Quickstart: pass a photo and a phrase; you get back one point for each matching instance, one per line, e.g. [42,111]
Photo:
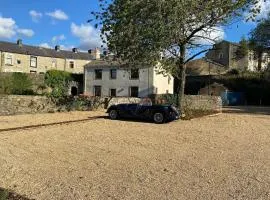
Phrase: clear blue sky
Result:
[51,22]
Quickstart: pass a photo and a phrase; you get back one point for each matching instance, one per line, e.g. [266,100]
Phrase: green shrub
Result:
[233,72]
[58,81]
[5,85]
[21,84]
[3,194]
[170,99]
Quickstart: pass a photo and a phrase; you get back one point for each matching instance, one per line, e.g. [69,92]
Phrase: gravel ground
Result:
[221,157]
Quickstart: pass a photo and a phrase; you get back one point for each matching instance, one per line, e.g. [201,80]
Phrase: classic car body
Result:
[142,111]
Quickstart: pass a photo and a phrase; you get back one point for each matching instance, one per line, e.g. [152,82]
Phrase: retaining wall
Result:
[199,102]
[16,104]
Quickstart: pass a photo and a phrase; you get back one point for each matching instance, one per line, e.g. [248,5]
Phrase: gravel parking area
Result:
[221,157]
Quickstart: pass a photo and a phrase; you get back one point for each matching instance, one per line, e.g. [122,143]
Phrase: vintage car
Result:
[144,111]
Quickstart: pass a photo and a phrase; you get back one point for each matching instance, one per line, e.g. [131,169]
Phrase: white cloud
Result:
[58,14]
[67,48]
[45,45]
[7,28]
[88,35]
[264,6]
[210,36]
[26,32]
[58,38]
[36,16]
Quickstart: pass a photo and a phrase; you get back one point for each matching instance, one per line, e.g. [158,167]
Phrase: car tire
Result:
[113,114]
[158,118]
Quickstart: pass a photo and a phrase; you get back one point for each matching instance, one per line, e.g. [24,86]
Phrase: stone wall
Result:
[198,102]
[16,104]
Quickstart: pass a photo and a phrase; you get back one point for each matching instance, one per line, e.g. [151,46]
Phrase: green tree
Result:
[243,49]
[260,39]
[58,81]
[166,32]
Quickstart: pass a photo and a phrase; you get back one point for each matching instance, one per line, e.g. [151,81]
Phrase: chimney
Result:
[95,53]
[57,48]
[19,42]
[75,50]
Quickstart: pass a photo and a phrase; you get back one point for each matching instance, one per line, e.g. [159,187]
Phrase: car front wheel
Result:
[158,118]
[113,114]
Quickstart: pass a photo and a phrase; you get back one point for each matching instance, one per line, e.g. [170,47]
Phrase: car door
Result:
[143,112]
[131,110]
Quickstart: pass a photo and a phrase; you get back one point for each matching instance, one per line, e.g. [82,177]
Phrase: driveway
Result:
[221,157]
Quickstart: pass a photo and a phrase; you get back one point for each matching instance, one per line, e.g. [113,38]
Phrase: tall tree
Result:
[165,33]
[242,50]
[260,39]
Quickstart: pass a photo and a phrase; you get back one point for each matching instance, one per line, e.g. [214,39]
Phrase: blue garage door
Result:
[232,98]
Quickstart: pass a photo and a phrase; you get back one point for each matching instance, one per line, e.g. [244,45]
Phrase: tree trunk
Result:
[182,67]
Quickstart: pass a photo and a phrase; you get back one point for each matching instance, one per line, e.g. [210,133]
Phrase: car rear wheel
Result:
[158,118]
[113,114]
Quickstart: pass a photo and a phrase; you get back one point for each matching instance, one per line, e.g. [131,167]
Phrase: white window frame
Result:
[95,90]
[110,91]
[111,74]
[9,56]
[136,78]
[69,62]
[35,60]
[134,87]
[54,63]
[221,55]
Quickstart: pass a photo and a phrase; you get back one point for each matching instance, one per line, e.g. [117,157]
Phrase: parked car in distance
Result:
[144,111]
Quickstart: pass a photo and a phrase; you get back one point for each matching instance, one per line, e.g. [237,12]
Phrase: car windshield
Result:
[145,102]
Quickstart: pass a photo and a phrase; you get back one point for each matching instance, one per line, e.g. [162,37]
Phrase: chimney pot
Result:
[57,48]
[19,42]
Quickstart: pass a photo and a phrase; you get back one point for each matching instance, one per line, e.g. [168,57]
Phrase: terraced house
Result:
[17,57]
[103,78]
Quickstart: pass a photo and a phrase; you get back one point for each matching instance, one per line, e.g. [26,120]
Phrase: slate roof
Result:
[40,51]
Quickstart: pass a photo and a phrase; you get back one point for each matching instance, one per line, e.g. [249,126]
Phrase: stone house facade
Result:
[105,79]
[17,57]
[224,53]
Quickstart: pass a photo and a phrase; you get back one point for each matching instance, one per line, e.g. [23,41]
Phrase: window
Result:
[33,61]
[134,74]
[41,72]
[98,74]
[113,92]
[18,62]
[167,91]
[53,63]
[8,60]
[134,91]
[97,91]
[220,56]
[113,73]
[169,80]
[32,72]
[71,64]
